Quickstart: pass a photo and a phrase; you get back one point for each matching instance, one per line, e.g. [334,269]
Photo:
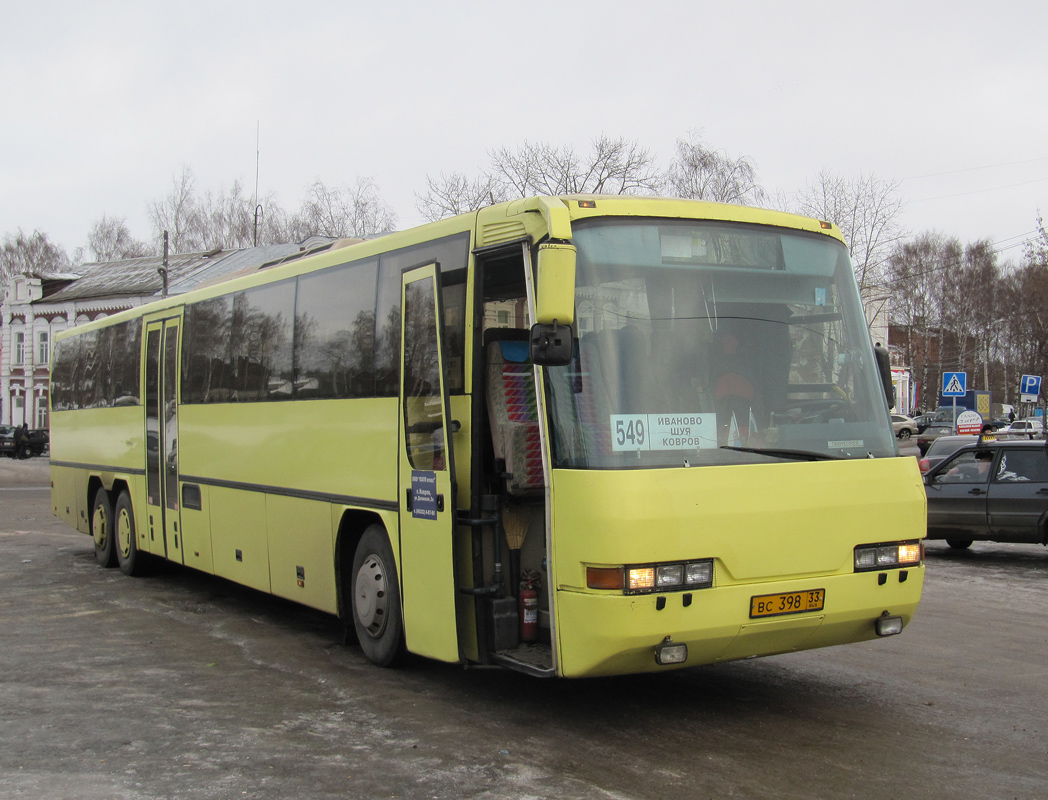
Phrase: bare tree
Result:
[343,211]
[957,309]
[110,239]
[699,172]
[614,166]
[453,194]
[980,275]
[178,214]
[1037,248]
[225,219]
[867,210]
[29,255]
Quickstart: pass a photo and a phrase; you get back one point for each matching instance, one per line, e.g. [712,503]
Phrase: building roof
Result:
[131,276]
[246,261]
[138,277]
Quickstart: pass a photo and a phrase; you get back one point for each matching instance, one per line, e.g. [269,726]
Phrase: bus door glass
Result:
[427,493]
[162,438]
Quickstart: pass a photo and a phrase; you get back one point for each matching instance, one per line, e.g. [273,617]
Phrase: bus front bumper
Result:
[608,633]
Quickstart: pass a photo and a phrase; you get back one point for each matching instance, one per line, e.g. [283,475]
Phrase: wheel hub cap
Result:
[370,596]
[99,526]
[124,534]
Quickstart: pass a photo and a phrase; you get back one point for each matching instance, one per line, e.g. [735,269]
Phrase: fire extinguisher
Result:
[528,602]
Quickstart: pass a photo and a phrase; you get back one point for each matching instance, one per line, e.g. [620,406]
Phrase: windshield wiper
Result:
[797,455]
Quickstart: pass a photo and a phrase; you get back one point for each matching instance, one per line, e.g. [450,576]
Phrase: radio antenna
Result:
[258,207]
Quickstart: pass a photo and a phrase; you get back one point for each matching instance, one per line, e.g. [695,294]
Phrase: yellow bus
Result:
[574,436]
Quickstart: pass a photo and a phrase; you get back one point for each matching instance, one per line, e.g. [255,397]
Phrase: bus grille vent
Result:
[502,232]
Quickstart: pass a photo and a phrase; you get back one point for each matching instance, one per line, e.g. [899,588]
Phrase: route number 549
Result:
[630,432]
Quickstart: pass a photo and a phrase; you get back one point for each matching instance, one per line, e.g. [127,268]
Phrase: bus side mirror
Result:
[884,367]
[551,343]
[555,284]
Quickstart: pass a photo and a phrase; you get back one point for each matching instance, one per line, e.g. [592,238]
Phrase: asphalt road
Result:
[179,685]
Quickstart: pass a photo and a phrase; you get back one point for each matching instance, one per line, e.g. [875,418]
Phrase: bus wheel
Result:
[376,599]
[102,529]
[959,544]
[127,556]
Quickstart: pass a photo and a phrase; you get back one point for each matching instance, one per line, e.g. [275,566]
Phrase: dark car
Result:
[942,448]
[933,432]
[940,415]
[18,444]
[37,442]
[992,491]
[923,421]
[7,440]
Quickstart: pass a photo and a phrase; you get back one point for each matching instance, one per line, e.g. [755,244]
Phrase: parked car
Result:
[31,443]
[7,440]
[904,426]
[939,415]
[933,432]
[923,421]
[943,447]
[38,442]
[993,490]
[1025,427]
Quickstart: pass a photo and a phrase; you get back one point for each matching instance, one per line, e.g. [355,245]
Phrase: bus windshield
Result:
[714,343]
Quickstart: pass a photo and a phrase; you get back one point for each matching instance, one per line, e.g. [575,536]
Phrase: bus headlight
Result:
[889,555]
[676,576]
[669,576]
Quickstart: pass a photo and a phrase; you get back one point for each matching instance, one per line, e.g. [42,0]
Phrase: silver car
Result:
[904,426]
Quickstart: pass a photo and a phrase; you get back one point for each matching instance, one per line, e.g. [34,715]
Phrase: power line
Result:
[973,169]
[978,191]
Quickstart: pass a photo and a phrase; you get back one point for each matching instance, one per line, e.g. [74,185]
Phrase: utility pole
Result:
[163,269]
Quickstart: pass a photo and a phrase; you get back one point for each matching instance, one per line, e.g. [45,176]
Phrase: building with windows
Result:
[35,307]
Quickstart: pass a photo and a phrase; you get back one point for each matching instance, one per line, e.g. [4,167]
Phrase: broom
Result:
[515,523]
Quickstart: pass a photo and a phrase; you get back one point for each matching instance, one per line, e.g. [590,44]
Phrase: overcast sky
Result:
[103,103]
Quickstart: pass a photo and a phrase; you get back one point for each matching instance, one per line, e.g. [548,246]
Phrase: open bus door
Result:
[426,474]
[161,415]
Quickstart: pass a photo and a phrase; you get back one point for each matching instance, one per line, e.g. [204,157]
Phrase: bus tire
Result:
[376,599]
[129,559]
[959,544]
[102,529]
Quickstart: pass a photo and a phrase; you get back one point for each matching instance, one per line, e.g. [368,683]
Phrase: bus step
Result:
[534,659]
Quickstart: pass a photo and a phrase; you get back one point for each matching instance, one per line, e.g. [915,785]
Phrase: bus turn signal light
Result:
[604,577]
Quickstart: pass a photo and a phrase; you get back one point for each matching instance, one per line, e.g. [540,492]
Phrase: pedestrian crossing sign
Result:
[954,384]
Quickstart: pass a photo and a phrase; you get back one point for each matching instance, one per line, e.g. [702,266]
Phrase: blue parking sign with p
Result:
[1030,384]
[954,384]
